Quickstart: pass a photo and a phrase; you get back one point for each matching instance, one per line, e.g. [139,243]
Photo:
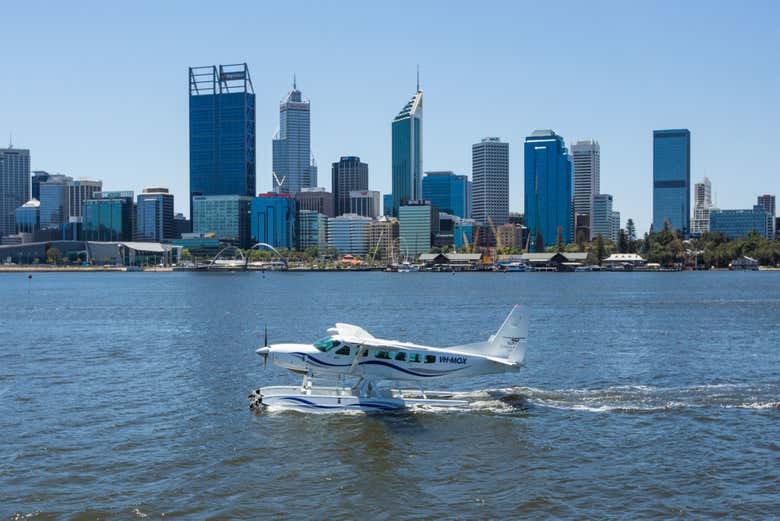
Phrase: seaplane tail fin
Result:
[511,339]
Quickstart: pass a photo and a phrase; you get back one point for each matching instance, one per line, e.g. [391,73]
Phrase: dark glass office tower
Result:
[672,179]
[222,131]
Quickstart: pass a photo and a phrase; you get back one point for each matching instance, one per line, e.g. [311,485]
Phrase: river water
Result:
[645,396]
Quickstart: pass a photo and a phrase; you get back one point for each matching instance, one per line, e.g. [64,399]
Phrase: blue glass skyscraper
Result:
[222,131]
[448,192]
[672,179]
[293,165]
[548,188]
[407,152]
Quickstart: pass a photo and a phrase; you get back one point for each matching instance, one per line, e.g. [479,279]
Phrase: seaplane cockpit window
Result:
[326,344]
[430,359]
[400,356]
[414,357]
[344,350]
[382,354]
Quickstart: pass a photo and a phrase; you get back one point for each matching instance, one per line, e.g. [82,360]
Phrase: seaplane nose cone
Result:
[263,351]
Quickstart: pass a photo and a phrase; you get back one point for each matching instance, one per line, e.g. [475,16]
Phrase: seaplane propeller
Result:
[263,351]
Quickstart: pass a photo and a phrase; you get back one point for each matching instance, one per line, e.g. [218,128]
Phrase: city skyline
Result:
[627,98]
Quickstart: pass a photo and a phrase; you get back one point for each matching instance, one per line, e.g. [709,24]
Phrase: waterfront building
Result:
[14,185]
[490,181]
[766,202]
[108,216]
[154,215]
[602,216]
[348,234]
[615,225]
[548,188]
[702,204]
[510,235]
[28,217]
[54,201]
[672,179]
[273,220]
[383,238]
[181,225]
[364,202]
[293,165]
[316,199]
[739,223]
[348,174]
[225,216]
[418,221]
[407,155]
[222,132]
[448,192]
[312,230]
[586,158]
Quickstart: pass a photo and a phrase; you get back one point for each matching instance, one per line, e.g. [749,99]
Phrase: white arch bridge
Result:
[219,262]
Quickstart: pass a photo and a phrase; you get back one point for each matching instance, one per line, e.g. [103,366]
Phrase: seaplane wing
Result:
[351,333]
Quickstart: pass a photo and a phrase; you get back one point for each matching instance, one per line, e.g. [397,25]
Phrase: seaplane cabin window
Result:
[344,350]
[400,356]
[430,359]
[414,357]
[382,354]
[326,344]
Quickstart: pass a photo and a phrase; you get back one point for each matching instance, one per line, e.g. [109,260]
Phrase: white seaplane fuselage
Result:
[350,351]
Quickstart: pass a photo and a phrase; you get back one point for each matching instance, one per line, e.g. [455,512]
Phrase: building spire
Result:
[418,77]
[10,139]
[295,82]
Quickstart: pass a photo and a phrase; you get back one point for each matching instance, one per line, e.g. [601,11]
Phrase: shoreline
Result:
[157,269]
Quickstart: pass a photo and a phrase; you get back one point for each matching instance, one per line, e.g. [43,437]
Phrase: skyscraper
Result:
[316,199]
[154,215]
[14,186]
[293,165]
[109,216]
[601,223]
[79,191]
[38,177]
[586,157]
[348,175]
[448,192]
[222,131]
[364,202]
[672,179]
[54,199]
[490,181]
[272,220]
[548,188]
[407,165]
[702,204]
[766,202]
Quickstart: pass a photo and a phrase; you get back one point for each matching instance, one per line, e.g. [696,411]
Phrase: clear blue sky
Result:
[98,90]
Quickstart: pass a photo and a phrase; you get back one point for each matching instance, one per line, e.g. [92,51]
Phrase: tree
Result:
[53,256]
[559,240]
[539,242]
[601,252]
[631,230]
[622,244]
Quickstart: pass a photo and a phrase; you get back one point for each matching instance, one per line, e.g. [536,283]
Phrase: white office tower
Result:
[586,156]
[702,204]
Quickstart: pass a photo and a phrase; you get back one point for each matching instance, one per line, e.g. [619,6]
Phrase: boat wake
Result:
[625,399]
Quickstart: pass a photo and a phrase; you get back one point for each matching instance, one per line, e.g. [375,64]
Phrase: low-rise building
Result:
[383,239]
[739,223]
[418,221]
[348,234]
[312,230]
[555,261]
[624,261]
[225,216]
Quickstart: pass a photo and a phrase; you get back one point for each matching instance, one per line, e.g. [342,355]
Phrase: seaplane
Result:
[350,353]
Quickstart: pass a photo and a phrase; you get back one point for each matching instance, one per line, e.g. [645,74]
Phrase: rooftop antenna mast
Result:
[295,82]
[418,77]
